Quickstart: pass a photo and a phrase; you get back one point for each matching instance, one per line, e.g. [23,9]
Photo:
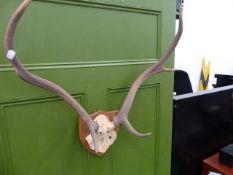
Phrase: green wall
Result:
[94,49]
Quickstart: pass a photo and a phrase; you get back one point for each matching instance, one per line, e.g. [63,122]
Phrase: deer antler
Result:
[122,118]
[38,81]
[109,123]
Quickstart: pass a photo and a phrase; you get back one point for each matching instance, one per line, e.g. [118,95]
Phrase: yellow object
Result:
[205,73]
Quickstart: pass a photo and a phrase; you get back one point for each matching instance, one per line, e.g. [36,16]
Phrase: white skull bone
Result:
[106,134]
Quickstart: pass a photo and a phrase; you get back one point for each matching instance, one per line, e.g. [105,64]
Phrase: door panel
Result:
[94,49]
[85,33]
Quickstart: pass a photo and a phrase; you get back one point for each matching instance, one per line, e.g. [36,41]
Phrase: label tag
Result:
[11,54]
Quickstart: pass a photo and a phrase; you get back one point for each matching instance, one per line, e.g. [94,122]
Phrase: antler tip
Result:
[145,135]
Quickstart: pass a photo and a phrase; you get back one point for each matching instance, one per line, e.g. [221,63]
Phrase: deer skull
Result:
[106,134]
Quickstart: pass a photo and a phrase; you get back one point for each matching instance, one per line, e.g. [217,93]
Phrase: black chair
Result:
[223,80]
[182,84]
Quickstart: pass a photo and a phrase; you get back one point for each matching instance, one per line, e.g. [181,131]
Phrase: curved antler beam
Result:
[122,118]
[38,81]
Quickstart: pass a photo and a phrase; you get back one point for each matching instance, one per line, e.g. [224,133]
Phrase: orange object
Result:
[212,164]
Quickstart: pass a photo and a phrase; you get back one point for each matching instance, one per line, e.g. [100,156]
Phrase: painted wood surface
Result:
[94,49]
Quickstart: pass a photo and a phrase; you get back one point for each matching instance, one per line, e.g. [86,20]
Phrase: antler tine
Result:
[122,118]
[38,81]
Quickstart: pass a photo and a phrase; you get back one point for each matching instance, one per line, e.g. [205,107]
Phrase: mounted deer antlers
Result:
[97,129]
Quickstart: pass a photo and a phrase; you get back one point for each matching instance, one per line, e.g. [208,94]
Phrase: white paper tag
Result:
[11,54]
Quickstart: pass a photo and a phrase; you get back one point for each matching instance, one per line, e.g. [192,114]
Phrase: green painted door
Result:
[94,49]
